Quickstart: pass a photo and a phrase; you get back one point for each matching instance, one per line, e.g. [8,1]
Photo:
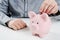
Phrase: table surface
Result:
[25,34]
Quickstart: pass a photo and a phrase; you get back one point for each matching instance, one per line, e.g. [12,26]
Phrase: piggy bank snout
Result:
[35,27]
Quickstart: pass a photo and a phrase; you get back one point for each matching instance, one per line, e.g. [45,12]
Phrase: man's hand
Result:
[49,6]
[16,24]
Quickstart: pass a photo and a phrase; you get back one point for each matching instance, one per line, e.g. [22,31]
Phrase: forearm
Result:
[3,18]
[3,12]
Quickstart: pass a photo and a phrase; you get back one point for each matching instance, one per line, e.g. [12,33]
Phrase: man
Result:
[19,9]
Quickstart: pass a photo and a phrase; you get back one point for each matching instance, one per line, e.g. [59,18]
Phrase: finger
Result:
[18,26]
[50,9]
[46,8]
[21,25]
[24,24]
[42,7]
[54,10]
[13,27]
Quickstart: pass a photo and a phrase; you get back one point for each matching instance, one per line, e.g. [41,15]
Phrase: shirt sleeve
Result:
[58,2]
[3,12]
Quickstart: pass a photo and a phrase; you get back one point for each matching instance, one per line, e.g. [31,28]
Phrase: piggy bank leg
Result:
[39,35]
[35,34]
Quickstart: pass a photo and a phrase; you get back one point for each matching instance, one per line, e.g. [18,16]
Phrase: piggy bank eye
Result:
[37,23]
[32,21]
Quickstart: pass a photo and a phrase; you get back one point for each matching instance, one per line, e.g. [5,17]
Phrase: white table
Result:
[25,34]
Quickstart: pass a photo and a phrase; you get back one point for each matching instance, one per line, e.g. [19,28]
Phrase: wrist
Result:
[7,23]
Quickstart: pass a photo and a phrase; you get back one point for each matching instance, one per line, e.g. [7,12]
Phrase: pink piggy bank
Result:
[39,24]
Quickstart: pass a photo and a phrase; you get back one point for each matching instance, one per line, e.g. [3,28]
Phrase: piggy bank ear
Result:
[44,16]
[31,14]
